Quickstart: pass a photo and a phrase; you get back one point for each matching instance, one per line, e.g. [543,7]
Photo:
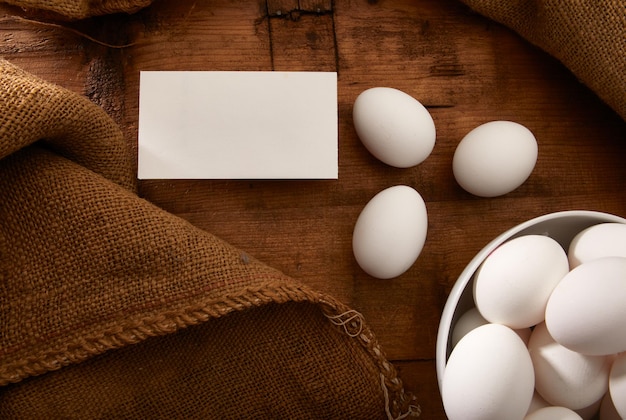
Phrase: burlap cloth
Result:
[589,37]
[112,308]
[81,9]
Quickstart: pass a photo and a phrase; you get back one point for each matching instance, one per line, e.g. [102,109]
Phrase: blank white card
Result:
[237,125]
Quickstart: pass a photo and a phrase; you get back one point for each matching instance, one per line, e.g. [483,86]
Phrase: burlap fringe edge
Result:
[404,405]
[398,403]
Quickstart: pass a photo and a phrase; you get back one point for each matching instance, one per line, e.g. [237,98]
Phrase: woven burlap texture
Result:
[113,308]
[81,9]
[589,37]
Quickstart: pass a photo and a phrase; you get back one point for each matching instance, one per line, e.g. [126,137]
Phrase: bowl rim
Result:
[449,310]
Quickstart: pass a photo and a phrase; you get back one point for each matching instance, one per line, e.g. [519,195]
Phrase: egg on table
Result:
[495,158]
[390,232]
[395,127]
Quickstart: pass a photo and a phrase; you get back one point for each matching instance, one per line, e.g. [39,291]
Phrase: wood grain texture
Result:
[316,6]
[282,7]
[465,69]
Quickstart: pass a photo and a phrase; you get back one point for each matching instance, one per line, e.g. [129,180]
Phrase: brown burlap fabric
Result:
[81,9]
[112,308]
[589,37]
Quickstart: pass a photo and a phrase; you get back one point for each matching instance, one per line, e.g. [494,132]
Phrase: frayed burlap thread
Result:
[588,37]
[113,308]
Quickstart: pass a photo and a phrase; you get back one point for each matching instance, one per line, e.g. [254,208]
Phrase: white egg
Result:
[466,323]
[390,232]
[495,158]
[607,409]
[564,377]
[536,403]
[472,319]
[617,384]
[587,309]
[602,240]
[489,376]
[553,413]
[586,413]
[513,284]
[395,127]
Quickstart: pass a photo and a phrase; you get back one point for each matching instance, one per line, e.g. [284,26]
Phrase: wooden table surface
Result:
[465,69]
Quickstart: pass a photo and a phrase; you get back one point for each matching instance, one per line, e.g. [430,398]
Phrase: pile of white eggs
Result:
[491,160]
[547,336]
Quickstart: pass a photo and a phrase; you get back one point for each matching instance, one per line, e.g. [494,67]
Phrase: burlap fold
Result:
[113,308]
[81,9]
[588,37]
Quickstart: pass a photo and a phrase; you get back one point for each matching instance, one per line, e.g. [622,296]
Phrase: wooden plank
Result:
[49,50]
[226,35]
[281,7]
[316,6]
[466,69]
[77,57]
[404,44]
[417,380]
[304,228]
[303,44]
[287,7]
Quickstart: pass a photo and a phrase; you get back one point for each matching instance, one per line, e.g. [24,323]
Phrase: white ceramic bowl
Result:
[561,226]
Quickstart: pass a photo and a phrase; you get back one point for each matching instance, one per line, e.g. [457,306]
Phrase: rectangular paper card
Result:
[238,125]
